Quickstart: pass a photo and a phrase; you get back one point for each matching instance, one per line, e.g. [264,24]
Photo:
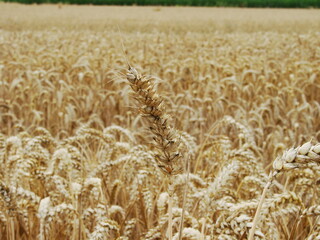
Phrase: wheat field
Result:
[135,123]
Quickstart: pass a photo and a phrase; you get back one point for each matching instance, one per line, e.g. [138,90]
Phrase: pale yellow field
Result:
[164,19]
[230,90]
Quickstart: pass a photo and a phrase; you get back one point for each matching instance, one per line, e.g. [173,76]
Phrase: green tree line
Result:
[226,3]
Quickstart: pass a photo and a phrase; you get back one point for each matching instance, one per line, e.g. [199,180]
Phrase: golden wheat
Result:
[221,101]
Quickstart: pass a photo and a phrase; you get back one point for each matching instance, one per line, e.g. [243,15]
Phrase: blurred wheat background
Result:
[241,86]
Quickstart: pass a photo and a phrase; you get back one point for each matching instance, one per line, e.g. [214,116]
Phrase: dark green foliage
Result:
[224,3]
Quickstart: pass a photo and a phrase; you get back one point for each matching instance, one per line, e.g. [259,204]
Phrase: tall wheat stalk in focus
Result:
[169,152]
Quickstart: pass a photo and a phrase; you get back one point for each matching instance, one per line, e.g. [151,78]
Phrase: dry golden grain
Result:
[227,94]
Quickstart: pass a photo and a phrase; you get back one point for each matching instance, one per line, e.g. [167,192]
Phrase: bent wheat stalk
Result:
[307,155]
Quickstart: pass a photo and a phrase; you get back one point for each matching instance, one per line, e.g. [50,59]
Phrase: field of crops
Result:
[133,123]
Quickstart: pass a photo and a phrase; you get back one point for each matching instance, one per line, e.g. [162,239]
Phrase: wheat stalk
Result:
[169,156]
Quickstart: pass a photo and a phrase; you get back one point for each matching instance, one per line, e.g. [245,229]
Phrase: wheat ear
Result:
[167,141]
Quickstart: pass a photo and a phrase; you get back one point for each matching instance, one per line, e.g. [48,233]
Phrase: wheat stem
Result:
[185,192]
[203,228]
[258,212]
[12,235]
[170,204]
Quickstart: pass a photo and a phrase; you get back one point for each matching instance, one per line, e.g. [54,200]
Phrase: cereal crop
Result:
[133,123]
